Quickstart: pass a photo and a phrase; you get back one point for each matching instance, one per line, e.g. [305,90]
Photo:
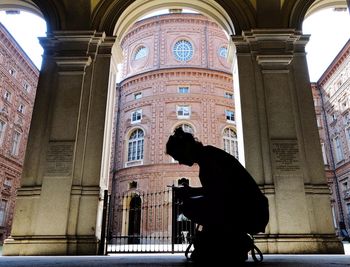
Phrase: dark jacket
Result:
[232,192]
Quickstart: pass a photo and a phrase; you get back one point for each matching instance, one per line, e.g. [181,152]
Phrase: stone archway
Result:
[302,9]
[60,201]
[231,15]
[321,4]
[139,9]
[276,55]
[22,5]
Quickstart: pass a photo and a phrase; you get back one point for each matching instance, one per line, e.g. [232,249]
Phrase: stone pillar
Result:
[61,189]
[281,142]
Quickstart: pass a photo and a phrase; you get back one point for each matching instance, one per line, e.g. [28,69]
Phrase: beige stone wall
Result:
[268,55]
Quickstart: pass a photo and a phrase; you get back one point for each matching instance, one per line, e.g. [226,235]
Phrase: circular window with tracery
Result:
[183,50]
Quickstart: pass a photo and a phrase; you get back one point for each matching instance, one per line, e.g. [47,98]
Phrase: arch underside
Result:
[116,17]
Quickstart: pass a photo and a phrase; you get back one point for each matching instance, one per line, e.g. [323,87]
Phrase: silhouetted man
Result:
[228,205]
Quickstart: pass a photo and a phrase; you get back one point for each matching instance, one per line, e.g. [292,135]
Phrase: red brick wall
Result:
[158,76]
[13,59]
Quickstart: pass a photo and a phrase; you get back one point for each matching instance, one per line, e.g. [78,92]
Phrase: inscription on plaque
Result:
[59,159]
[285,156]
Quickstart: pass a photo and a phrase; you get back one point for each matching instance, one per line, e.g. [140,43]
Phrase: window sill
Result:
[183,117]
[133,163]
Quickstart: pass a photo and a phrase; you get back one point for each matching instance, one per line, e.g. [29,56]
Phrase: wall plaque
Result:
[59,159]
[285,156]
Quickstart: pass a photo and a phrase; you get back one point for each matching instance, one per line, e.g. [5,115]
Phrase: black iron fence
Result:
[148,222]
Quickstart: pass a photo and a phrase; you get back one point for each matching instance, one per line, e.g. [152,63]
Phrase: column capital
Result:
[76,43]
[72,51]
[275,47]
[270,41]
[72,65]
[106,47]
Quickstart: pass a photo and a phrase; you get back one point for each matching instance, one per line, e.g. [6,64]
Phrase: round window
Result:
[140,52]
[223,52]
[183,50]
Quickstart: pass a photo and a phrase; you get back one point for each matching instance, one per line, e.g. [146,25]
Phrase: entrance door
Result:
[134,220]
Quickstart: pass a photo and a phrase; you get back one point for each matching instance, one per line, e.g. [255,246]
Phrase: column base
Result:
[24,246]
[299,244]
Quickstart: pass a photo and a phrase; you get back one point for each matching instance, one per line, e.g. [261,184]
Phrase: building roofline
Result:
[18,47]
[162,16]
[343,53]
[167,18]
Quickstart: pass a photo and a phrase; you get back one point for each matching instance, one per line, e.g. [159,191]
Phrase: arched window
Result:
[187,128]
[140,52]
[183,50]
[135,146]
[230,142]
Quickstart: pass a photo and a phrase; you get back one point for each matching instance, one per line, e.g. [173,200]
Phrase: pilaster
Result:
[59,200]
[281,144]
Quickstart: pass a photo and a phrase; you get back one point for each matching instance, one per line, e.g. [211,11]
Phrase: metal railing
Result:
[144,222]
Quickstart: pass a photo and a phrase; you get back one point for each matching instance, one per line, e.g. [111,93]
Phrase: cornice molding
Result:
[72,65]
[169,19]
[342,56]
[190,72]
[271,47]
[16,51]
[77,45]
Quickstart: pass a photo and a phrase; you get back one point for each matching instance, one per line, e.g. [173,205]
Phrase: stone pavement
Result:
[167,260]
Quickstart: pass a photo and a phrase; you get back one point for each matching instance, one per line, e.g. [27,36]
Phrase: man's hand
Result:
[186,191]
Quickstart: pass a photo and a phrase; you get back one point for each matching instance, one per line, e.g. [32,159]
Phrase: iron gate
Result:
[148,222]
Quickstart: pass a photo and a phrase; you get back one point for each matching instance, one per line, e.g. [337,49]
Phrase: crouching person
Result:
[228,206]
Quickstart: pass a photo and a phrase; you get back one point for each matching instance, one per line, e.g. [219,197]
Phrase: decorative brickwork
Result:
[157,76]
[331,96]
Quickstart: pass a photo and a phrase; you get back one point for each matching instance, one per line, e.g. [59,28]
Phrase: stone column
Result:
[281,142]
[61,188]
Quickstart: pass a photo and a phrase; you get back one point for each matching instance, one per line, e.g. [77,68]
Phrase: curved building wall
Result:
[160,34]
[161,91]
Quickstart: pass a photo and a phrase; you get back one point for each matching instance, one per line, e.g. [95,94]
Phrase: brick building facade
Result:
[332,104]
[18,83]
[175,73]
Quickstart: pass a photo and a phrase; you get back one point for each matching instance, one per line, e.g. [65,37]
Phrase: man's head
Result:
[183,147]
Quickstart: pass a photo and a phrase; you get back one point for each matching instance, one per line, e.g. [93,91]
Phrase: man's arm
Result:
[187,191]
